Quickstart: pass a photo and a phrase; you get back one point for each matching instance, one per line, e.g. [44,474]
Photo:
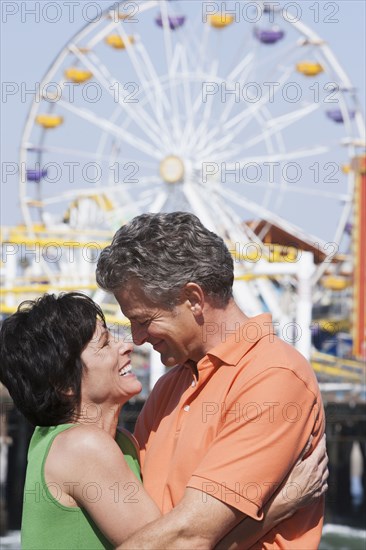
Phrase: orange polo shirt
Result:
[236,430]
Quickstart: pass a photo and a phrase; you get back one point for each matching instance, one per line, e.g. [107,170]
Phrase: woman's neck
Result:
[103,416]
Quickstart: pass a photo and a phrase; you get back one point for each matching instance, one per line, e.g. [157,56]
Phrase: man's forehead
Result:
[133,301]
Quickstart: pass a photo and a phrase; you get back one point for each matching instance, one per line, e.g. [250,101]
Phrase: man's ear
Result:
[194,296]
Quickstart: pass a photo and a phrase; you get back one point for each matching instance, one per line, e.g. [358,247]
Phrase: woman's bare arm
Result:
[89,466]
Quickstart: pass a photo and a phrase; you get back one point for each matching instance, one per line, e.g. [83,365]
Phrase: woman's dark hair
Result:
[40,348]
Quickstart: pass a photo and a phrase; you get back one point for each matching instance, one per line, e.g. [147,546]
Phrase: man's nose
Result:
[139,334]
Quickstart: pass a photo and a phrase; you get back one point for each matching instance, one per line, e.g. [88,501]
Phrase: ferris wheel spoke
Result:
[147,180]
[278,157]
[263,213]
[91,117]
[161,98]
[87,192]
[140,182]
[283,121]
[234,226]
[138,67]
[273,126]
[78,153]
[186,87]
[111,85]
[239,74]
[235,149]
[196,136]
[203,48]
[167,32]
[345,216]
[135,109]
[189,126]
[242,119]
[137,206]
[237,121]
[250,65]
[200,134]
[279,60]
[284,187]
[175,118]
[171,62]
[64,151]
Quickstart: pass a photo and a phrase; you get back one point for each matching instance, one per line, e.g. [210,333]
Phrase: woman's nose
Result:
[125,347]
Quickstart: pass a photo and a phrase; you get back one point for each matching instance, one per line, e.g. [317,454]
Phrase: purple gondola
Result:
[36,175]
[337,116]
[174,21]
[348,228]
[269,36]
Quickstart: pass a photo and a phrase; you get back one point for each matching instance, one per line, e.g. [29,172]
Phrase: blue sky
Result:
[33,33]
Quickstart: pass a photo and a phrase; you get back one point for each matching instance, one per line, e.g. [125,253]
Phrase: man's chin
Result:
[169,362]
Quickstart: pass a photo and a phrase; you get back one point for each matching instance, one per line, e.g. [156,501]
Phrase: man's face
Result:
[175,334]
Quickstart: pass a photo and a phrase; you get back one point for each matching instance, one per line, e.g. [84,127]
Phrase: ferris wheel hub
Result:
[172,169]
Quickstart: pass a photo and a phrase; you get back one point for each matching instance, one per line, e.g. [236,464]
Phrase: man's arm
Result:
[308,480]
[200,520]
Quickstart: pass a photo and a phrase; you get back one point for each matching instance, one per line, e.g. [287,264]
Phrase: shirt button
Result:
[186,408]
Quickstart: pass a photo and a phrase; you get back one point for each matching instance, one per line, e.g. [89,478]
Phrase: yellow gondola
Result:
[309,68]
[77,75]
[49,121]
[115,41]
[336,282]
[346,168]
[220,20]
[120,16]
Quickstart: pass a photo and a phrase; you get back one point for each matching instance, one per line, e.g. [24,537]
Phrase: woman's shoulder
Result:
[83,439]
[83,450]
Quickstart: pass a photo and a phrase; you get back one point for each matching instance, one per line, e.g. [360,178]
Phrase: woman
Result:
[70,377]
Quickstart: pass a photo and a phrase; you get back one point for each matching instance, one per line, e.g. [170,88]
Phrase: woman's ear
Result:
[69,392]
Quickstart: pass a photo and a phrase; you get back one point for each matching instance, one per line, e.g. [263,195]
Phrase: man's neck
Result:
[219,323]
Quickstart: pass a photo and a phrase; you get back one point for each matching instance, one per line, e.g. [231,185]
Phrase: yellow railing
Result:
[338,367]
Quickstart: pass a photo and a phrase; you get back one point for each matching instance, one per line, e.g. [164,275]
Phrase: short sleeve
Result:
[265,424]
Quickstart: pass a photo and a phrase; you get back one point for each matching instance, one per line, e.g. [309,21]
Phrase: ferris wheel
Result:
[242,117]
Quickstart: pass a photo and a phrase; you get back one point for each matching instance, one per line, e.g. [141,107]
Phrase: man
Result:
[222,429]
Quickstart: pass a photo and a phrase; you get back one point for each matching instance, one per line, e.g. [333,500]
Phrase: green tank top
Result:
[47,524]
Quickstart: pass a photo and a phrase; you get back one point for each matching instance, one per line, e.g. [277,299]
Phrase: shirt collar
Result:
[246,334]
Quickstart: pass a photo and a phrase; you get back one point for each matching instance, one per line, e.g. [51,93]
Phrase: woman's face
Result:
[107,374]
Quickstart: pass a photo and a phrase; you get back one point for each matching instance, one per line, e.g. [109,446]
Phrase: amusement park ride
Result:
[246,120]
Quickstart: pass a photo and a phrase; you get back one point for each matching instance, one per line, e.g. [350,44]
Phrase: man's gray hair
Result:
[164,252]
